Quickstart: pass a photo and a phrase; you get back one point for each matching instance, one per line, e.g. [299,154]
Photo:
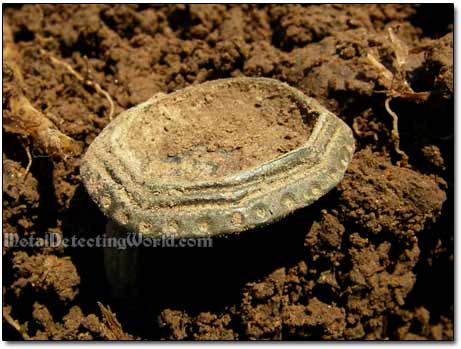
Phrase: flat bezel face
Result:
[124,174]
[211,132]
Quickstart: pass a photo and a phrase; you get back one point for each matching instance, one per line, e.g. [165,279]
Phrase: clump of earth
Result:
[372,259]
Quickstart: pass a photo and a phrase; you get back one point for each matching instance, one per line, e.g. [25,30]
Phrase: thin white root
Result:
[84,81]
[23,118]
[112,327]
[400,48]
[395,133]
[13,323]
[29,164]
[386,76]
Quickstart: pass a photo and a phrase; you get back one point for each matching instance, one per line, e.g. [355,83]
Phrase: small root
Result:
[29,164]
[386,78]
[21,117]
[400,48]
[113,328]
[395,133]
[355,127]
[84,81]
[13,323]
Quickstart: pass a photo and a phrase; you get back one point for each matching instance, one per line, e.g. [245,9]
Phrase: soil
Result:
[218,131]
[372,259]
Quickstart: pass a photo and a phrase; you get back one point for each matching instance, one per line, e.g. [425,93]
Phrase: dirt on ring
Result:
[218,131]
[372,259]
